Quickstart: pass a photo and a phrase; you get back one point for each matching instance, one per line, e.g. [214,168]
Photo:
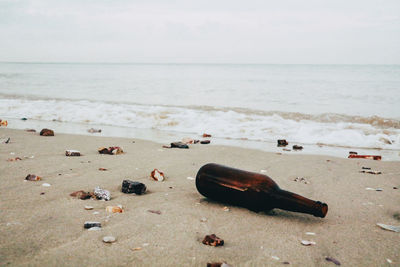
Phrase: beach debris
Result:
[72,153]
[133,187]
[155,211]
[14,159]
[389,227]
[5,140]
[96,212]
[310,233]
[282,142]
[136,248]
[81,194]
[157,175]
[297,147]
[301,179]
[94,228]
[88,225]
[371,172]
[374,157]
[102,193]
[93,130]
[102,169]
[352,153]
[33,177]
[365,168]
[213,240]
[88,207]
[46,185]
[373,189]
[218,264]
[191,178]
[225,208]
[203,219]
[307,243]
[286,149]
[263,171]
[179,145]
[395,187]
[42,193]
[112,150]
[114,209]
[3,123]
[285,262]
[389,260]
[46,132]
[206,135]
[205,142]
[335,261]
[275,258]
[30,130]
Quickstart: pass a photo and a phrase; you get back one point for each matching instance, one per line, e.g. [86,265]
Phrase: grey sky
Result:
[225,31]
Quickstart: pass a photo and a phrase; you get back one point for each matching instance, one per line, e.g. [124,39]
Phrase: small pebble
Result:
[307,243]
[109,239]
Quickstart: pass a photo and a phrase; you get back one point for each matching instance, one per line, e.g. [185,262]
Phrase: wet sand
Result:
[47,229]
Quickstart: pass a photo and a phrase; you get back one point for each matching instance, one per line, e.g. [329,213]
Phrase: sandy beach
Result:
[39,229]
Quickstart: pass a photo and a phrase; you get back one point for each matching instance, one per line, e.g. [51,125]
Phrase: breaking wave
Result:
[231,123]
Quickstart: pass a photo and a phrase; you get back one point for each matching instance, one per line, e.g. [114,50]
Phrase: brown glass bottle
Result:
[251,190]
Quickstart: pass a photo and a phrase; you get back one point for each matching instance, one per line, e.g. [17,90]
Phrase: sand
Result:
[47,229]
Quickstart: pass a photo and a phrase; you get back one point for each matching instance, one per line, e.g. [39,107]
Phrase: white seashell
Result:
[88,207]
[109,239]
[389,260]
[263,171]
[46,185]
[389,227]
[307,243]
[310,233]
[275,258]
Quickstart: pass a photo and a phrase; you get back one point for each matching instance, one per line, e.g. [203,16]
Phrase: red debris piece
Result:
[374,157]
[205,135]
[213,240]
[46,132]
[102,169]
[14,159]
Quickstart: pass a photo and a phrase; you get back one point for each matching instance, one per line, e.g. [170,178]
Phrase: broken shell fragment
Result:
[109,239]
[389,227]
[88,225]
[114,209]
[81,194]
[102,193]
[46,185]
[3,123]
[157,175]
[130,187]
[307,243]
[205,135]
[112,150]
[88,207]
[46,132]
[32,177]
[72,153]
[213,240]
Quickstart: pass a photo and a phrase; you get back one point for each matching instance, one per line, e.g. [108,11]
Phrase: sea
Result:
[327,109]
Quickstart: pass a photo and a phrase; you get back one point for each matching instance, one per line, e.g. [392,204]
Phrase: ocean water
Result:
[329,109]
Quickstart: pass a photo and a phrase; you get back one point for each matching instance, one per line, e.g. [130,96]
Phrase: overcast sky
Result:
[204,31]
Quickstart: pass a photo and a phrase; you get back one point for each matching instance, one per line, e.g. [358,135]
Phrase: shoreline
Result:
[47,229]
[166,137]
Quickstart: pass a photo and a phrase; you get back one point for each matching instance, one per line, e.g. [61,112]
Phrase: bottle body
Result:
[251,190]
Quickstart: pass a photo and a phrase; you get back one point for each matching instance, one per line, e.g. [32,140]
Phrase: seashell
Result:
[275,258]
[32,177]
[225,209]
[114,209]
[96,212]
[109,239]
[190,178]
[72,153]
[46,185]
[213,240]
[389,227]
[102,193]
[307,243]
[157,175]
[203,219]
[88,207]
[310,233]
[136,249]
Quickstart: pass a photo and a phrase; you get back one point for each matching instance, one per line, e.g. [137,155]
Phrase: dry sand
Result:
[47,229]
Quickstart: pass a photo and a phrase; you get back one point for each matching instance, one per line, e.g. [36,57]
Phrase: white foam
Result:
[220,122]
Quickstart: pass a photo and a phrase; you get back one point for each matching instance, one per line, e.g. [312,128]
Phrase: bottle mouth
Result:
[321,209]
